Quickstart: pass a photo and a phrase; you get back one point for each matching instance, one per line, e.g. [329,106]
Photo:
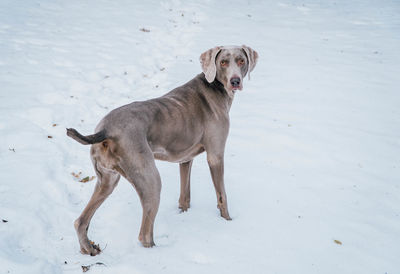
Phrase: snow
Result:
[312,155]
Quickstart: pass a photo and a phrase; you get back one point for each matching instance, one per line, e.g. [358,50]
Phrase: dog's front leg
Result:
[184,198]
[216,164]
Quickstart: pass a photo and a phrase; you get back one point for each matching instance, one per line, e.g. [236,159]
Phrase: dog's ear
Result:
[207,60]
[252,57]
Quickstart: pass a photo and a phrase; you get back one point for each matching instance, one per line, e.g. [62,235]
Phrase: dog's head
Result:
[229,65]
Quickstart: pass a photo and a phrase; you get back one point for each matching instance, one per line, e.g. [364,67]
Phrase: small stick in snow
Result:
[337,242]
[86,268]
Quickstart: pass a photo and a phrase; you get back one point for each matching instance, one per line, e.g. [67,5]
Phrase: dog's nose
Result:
[235,81]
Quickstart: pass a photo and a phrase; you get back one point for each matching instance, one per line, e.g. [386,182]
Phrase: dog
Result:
[176,127]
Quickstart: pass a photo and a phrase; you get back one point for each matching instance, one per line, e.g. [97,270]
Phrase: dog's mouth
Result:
[234,88]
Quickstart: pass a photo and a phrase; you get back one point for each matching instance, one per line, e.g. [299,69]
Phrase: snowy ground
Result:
[312,156]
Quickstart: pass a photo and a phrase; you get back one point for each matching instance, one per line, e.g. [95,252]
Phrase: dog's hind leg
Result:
[107,180]
[184,198]
[140,170]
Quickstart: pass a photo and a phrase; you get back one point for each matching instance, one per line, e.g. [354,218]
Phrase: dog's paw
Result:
[146,241]
[148,244]
[91,249]
[224,213]
[183,208]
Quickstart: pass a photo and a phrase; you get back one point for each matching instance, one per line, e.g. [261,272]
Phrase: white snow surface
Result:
[313,154]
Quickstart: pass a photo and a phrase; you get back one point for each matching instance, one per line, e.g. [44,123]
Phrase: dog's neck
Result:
[228,95]
[223,94]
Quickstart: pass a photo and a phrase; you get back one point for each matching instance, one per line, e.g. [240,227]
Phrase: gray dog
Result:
[175,127]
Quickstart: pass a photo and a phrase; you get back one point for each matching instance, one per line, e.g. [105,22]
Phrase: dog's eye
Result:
[224,63]
[241,62]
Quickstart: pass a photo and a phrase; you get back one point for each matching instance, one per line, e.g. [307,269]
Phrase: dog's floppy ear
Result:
[252,57]
[207,60]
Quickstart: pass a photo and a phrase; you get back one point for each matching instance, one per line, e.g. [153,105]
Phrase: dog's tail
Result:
[89,139]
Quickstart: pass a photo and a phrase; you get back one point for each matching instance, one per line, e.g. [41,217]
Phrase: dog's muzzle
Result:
[235,82]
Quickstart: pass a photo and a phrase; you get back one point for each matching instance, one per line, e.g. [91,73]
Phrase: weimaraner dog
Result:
[176,127]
